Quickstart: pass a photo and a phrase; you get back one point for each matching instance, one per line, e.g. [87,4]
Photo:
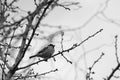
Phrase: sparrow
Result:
[46,52]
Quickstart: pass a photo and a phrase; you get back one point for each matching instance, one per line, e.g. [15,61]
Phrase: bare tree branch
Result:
[67,50]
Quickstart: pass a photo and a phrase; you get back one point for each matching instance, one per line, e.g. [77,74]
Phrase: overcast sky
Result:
[90,18]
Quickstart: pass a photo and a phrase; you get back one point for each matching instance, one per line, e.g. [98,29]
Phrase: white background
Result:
[85,21]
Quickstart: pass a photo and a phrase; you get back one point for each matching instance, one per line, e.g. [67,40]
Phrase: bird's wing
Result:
[43,50]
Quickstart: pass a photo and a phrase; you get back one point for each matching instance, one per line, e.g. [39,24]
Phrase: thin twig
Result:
[118,65]
[116,54]
[62,34]
[67,50]
[88,75]
[34,75]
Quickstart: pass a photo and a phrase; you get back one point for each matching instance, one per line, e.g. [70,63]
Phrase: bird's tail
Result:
[32,56]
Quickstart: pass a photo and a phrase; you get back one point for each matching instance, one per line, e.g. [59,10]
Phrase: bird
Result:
[45,53]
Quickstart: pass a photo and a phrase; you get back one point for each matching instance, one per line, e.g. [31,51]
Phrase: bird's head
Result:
[51,45]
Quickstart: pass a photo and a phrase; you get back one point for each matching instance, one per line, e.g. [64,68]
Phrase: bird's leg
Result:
[46,59]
